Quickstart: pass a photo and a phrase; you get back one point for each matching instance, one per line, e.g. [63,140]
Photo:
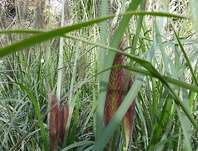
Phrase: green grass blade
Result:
[104,38]
[44,36]
[170,80]
[187,130]
[37,114]
[138,28]
[138,70]
[186,58]
[77,144]
[194,8]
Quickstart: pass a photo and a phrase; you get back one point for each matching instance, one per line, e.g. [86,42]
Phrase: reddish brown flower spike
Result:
[53,123]
[128,120]
[63,117]
[116,86]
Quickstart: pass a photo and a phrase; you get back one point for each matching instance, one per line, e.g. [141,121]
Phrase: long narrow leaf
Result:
[44,36]
[139,70]
[37,113]
[186,58]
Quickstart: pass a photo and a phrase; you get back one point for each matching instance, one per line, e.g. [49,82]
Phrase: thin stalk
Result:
[186,58]
[71,102]
[61,53]
[104,38]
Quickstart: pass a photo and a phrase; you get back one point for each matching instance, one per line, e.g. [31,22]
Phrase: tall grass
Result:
[159,55]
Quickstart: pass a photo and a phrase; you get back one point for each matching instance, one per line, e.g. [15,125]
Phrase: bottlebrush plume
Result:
[63,117]
[53,122]
[128,120]
[115,88]
[119,84]
[128,123]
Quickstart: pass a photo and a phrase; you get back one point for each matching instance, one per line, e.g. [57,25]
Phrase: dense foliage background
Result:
[90,57]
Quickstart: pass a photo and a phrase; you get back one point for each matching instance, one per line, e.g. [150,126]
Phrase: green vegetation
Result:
[115,75]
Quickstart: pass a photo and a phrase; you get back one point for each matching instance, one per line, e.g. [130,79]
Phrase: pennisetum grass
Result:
[63,118]
[137,94]
[53,122]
